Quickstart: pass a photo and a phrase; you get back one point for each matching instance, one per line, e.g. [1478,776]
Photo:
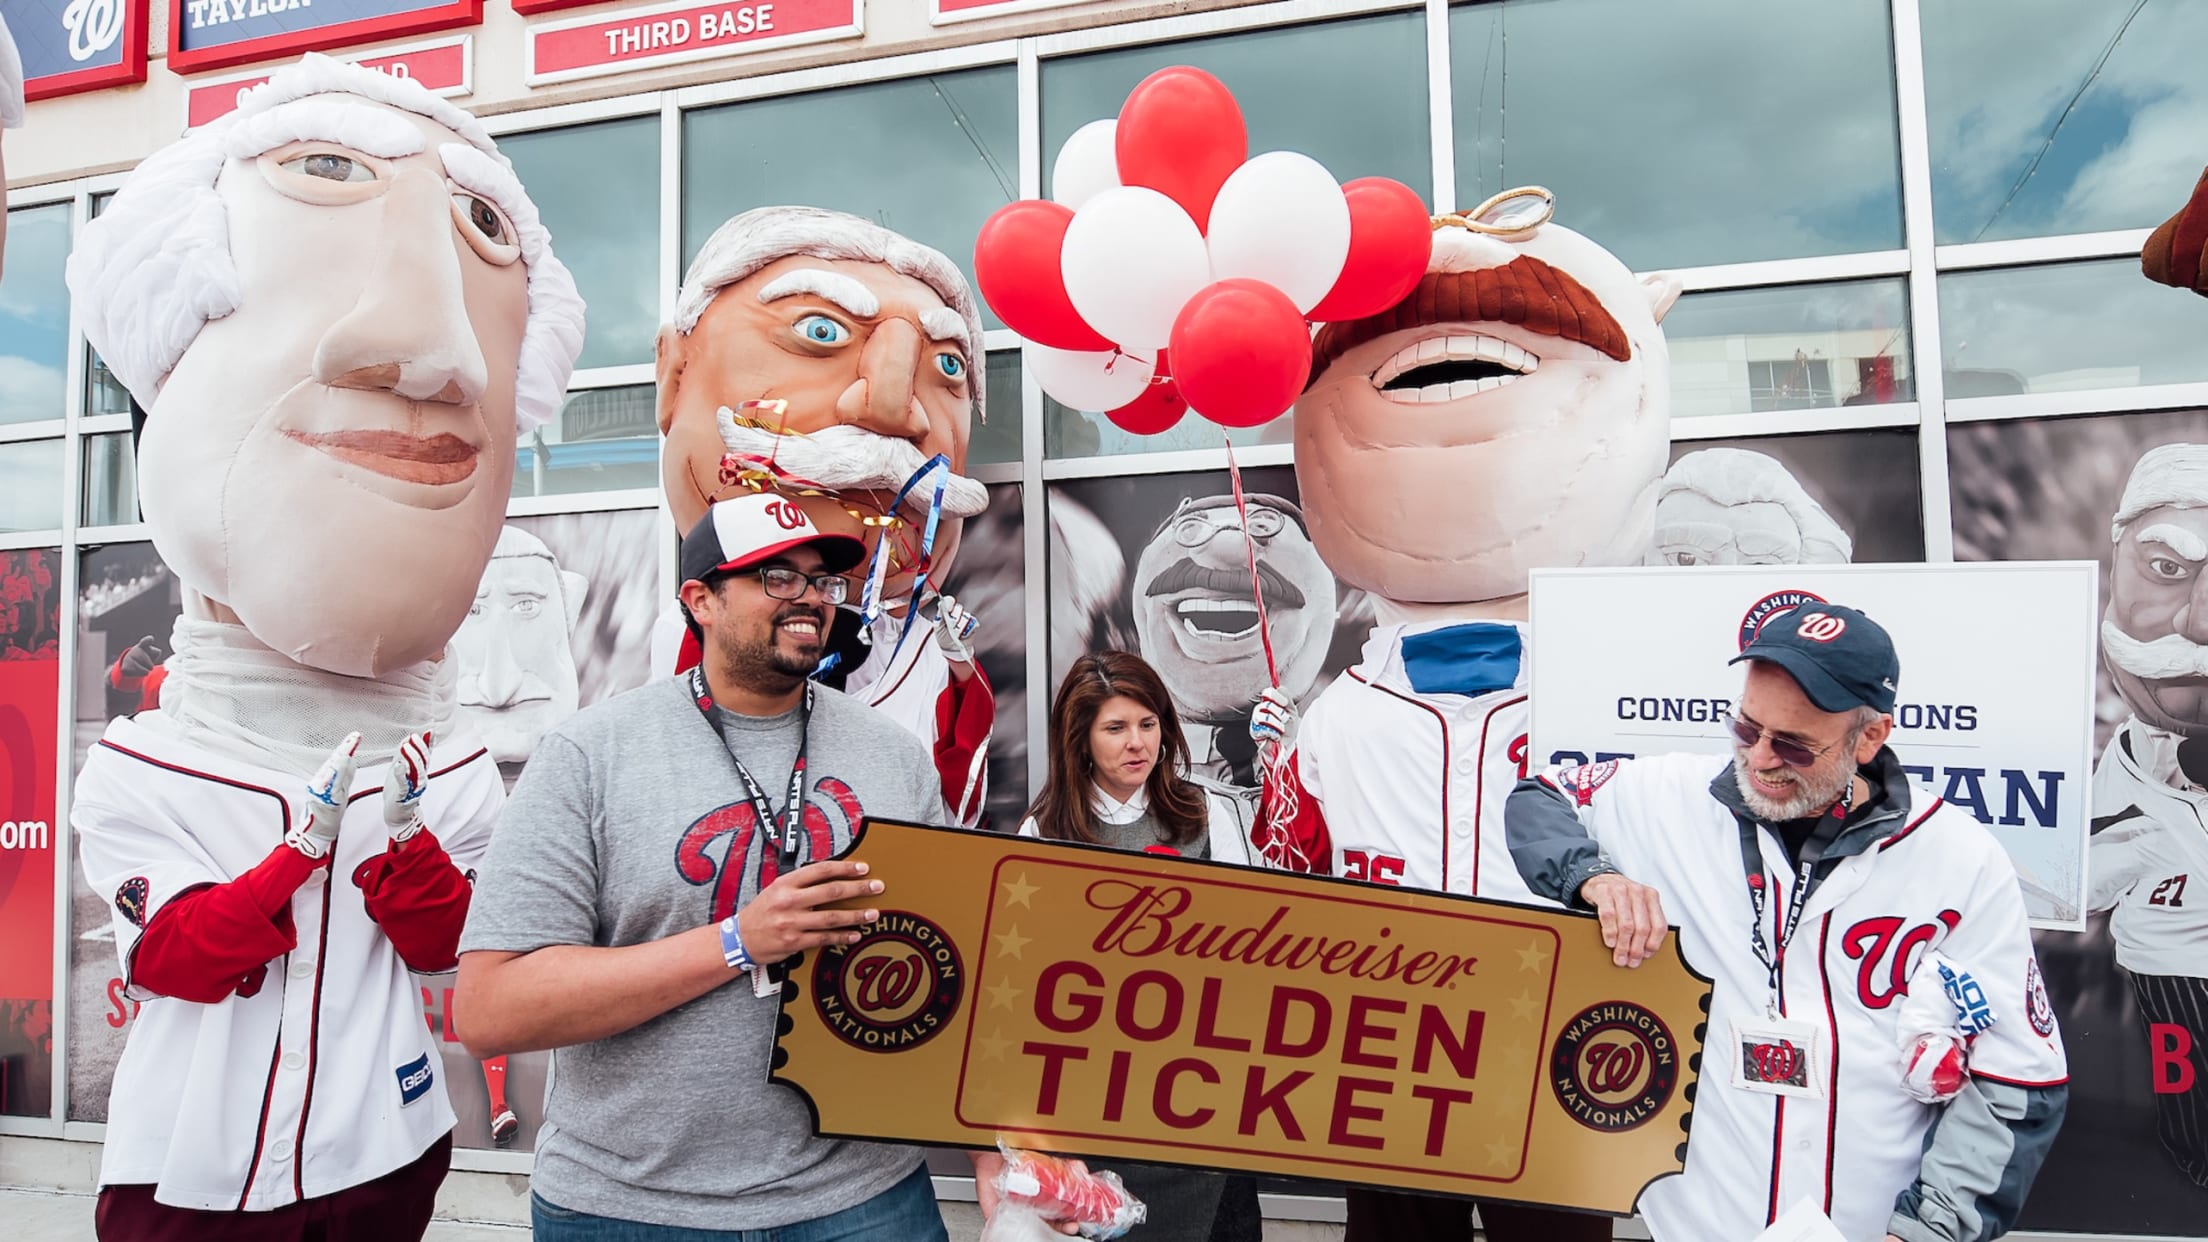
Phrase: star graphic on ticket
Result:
[1524,1008]
[1010,942]
[993,1046]
[1499,1153]
[1002,994]
[1532,957]
[1017,891]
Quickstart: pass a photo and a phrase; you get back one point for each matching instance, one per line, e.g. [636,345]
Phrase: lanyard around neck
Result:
[1831,822]
[791,839]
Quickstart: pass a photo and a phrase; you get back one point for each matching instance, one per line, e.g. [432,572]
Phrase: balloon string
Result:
[1249,546]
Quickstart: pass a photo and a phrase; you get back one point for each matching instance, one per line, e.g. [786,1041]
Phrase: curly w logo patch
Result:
[718,849]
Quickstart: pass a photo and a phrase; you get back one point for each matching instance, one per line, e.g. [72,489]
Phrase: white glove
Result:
[327,795]
[953,626]
[404,786]
[1275,718]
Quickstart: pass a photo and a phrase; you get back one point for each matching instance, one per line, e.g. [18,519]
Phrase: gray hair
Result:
[749,242]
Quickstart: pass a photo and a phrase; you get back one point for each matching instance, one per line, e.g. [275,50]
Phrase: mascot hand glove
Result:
[327,794]
[404,786]
[144,656]
[953,626]
[1274,719]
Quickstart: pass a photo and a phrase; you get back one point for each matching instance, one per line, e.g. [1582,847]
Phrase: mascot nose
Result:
[881,399]
[409,332]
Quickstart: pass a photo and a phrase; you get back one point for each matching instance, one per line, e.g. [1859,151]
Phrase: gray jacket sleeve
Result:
[1551,846]
[1979,1160]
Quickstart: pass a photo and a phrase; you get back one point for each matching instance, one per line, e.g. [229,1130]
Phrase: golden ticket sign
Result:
[1144,1007]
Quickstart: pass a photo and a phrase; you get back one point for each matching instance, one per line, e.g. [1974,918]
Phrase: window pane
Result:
[2061,116]
[103,393]
[110,481]
[930,157]
[1086,433]
[605,439]
[30,485]
[998,439]
[34,317]
[1801,347]
[1690,132]
[1350,94]
[597,187]
[2063,327]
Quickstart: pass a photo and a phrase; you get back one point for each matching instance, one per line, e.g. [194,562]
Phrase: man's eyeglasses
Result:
[1792,753]
[782,582]
[1195,529]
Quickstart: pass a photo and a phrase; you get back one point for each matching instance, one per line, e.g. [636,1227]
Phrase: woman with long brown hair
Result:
[1116,779]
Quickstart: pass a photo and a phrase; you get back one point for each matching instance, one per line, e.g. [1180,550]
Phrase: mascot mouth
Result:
[1210,603]
[1450,368]
[432,460]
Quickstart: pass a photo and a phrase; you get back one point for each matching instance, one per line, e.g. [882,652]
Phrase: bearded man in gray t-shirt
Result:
[650,856]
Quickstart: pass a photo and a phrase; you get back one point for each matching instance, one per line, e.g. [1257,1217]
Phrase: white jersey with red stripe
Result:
[1411,786]
[325,1076]
[1935,881]
[2148,859]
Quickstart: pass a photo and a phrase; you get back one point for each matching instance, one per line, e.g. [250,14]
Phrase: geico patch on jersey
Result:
[1582,780]
[415,1079]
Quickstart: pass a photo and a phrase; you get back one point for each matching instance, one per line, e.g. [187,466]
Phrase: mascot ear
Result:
[667,372]
[573,587]
[1663,290]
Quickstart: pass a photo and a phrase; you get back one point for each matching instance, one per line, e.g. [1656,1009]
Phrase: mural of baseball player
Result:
[2150,790]
[859,351]
[1728,506]
[1511,412]
[339,310]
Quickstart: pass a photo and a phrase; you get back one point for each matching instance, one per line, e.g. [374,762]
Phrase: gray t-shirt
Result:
[629,825]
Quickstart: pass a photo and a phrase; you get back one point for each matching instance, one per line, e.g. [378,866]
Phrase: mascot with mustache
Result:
[820,355]
[1511,412]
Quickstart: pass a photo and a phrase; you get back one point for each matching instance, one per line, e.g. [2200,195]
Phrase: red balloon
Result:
[1181,133]
[1158,409]
[1241,352]
[1391,238]
[1016,265]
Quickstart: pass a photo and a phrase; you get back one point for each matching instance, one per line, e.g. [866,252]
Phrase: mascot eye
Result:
[2169,569]
[527,607]
[821,330]
[951,365]
[1685,558]
[330,166]
[483,218]
[476,609]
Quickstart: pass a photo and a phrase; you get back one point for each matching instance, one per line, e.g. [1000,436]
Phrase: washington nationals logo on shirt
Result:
[1770,606]
[1614,1067]
[1582,781]
[701,859]
[1889,955]
[897,988]
[2037,1007]
[131,900]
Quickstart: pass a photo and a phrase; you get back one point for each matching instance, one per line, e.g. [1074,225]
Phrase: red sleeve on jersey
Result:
[964,714]
[212,941]
[690,653]
[149,697]
[1294,842]
[419,899]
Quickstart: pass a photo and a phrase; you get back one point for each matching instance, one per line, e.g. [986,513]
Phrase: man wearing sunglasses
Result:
[1809,877]
[661,850]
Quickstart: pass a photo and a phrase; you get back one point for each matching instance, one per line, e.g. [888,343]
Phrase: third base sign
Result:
[1123,1005]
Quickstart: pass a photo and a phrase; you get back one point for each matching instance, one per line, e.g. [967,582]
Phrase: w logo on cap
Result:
[786,514]
[1819,627]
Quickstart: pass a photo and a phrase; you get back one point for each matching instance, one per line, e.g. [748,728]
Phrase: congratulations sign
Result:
[1075,999]
[1995,712]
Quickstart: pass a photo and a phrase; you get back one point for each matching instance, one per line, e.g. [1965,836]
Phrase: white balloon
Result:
[1281,218]
[1086,380]
[1132,258]
[1087,165]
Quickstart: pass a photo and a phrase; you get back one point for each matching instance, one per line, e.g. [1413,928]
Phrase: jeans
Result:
[906,1212]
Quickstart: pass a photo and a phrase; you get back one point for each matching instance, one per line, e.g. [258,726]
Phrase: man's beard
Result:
[1814,789]
[763,663]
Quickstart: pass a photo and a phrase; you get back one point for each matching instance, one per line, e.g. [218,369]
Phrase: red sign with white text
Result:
[442,66]
[671,34]
[943,12]
[30,698]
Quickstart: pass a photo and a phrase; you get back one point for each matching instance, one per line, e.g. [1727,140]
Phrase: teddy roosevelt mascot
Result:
[822,356]
[338,309]
[1512,412]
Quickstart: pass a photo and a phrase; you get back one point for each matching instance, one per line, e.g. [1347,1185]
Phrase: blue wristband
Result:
[732,947]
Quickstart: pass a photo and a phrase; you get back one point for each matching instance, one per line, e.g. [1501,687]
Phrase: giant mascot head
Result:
[1512,412]
[517,660]
[1728,506]
[2154,634]
[338,308]
[866,346]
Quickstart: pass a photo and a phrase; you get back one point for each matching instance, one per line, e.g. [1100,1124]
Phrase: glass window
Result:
[30,485]
[597,187]
[1858,500]
[1349,94]
[1800,347]
[34,317]
[1691,132]
[998,439]
[2064,327]
[930,157]
[605,439]
[1086,433]
[2061,116]
[110,481]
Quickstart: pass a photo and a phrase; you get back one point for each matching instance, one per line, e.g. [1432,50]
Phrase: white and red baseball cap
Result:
[742,531]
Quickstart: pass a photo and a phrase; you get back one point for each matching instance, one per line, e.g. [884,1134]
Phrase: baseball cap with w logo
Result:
[1840,658]
[744,530]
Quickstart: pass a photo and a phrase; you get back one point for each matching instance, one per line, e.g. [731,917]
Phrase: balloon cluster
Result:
[1171,272]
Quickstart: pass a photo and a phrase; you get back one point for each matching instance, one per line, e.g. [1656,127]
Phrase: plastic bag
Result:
[1036,1188]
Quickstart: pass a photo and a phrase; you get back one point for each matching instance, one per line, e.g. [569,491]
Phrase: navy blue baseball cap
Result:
[1840,658]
